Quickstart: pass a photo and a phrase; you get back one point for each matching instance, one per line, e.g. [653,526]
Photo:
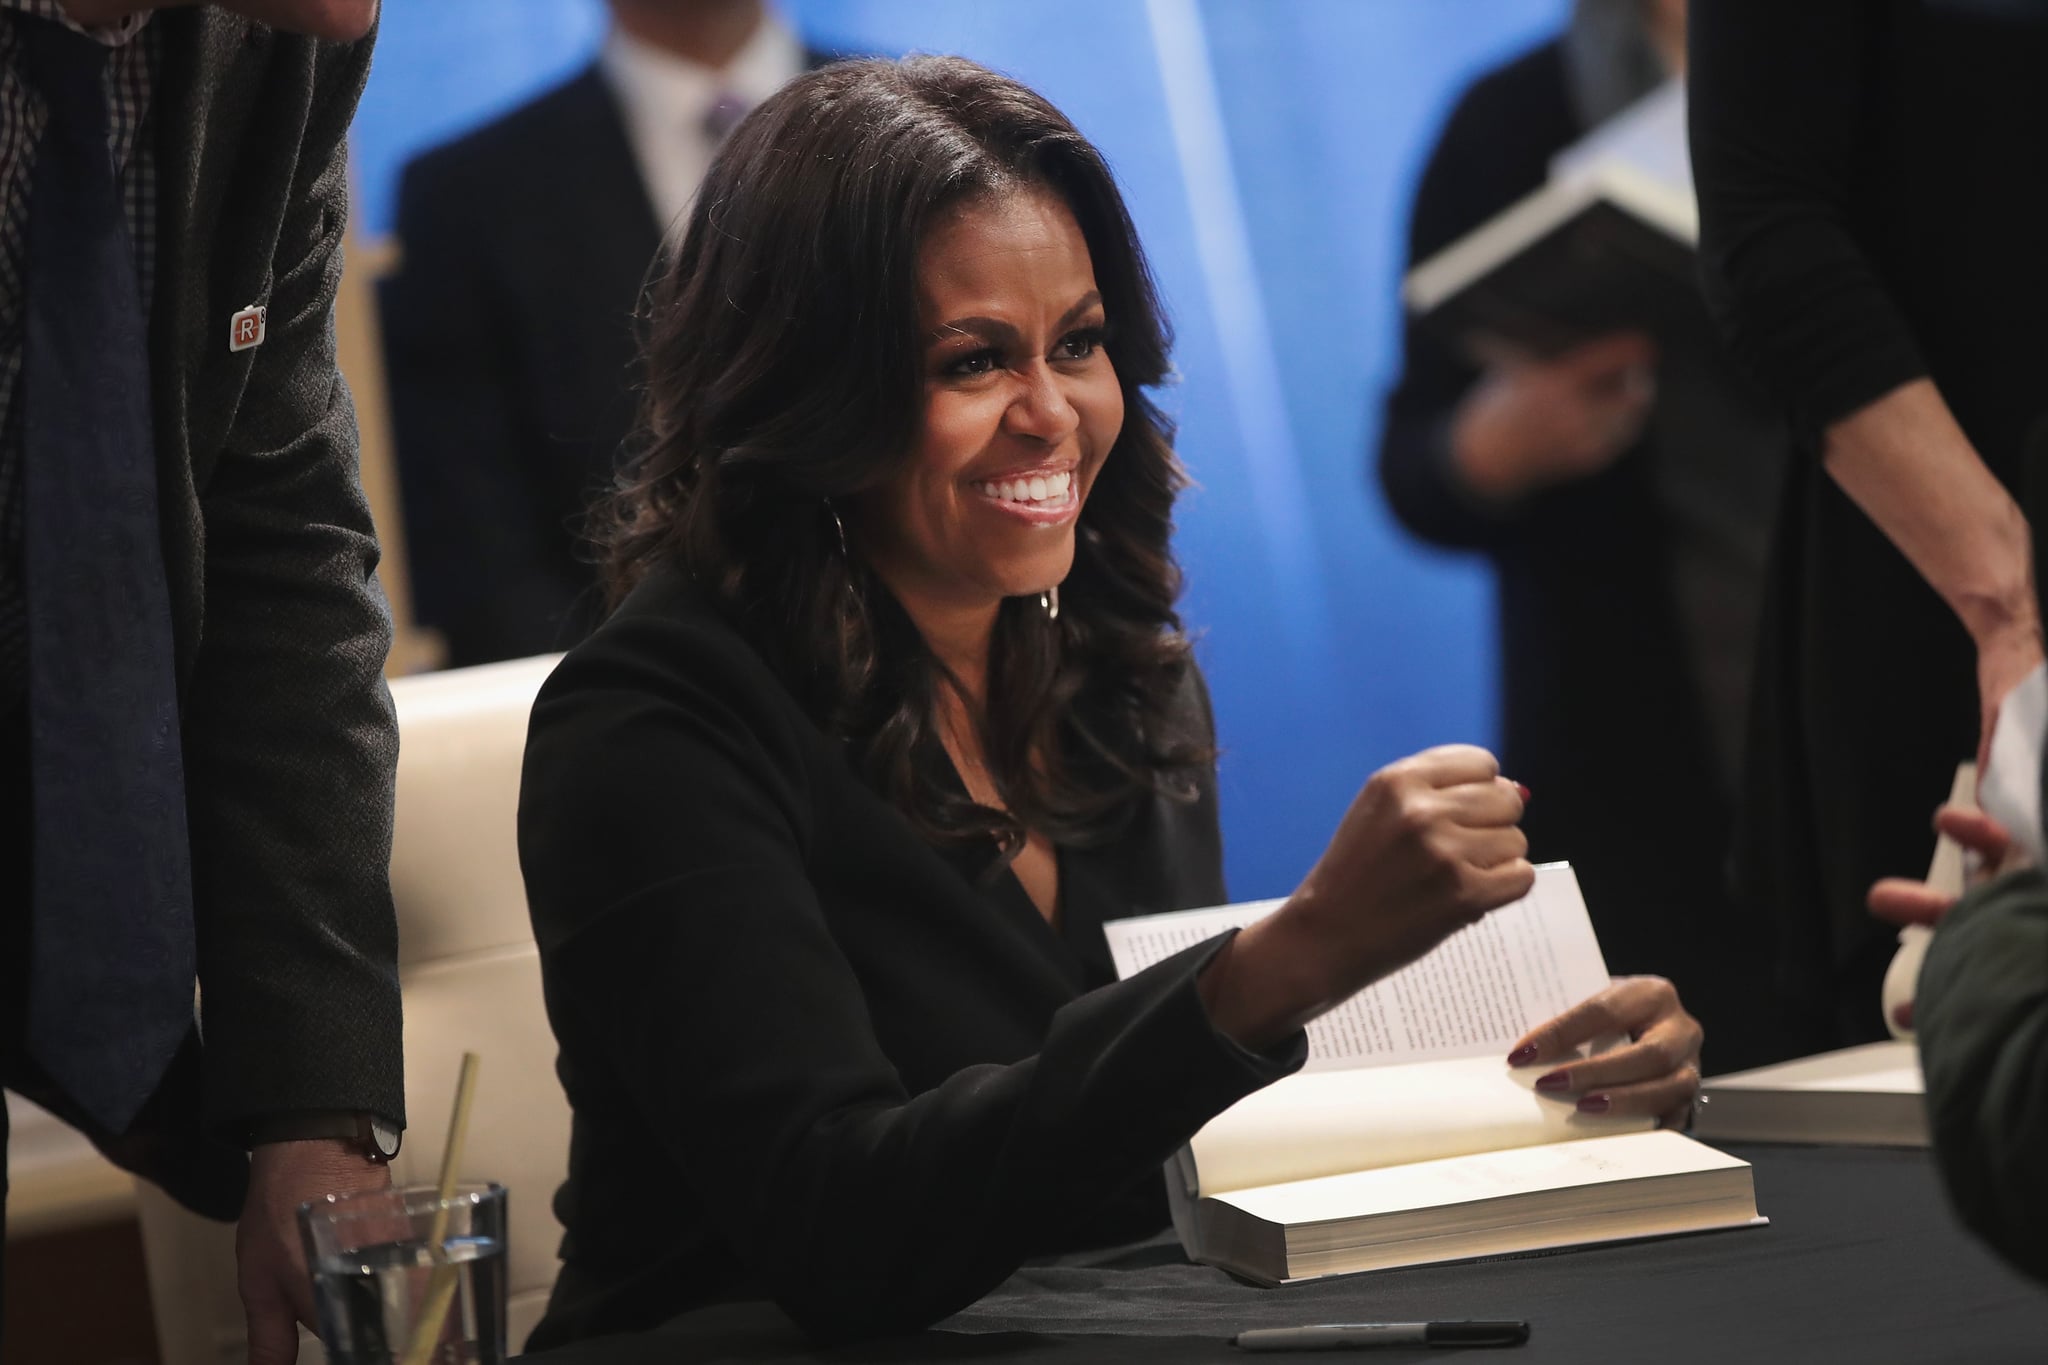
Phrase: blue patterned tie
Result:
[112,954]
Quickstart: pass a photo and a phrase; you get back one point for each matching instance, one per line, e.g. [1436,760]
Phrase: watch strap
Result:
[346,1125]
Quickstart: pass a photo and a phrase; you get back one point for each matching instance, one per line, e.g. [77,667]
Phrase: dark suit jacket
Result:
[811,1057]
[1602,715]
[280,629]
[511,346]
[513,356]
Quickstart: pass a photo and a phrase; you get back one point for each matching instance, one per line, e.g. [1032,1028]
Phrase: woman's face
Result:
[1021,405]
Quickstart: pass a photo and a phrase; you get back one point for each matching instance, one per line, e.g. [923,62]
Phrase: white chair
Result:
[471,980]
[56,1180]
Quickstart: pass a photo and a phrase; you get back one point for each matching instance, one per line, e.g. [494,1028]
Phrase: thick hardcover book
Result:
[1869,1096]
[1408,1139]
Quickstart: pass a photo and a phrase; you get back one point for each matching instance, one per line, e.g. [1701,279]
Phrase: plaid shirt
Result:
[130,74]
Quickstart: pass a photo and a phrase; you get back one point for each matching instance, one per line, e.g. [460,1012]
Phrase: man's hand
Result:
[1903,901]
[276,1290]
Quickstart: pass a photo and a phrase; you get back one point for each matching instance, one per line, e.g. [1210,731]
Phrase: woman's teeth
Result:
[1037,489]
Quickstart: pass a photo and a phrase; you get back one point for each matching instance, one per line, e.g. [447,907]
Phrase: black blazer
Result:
[280,631]
[509,337]
[513,355]
[1602,717]
[811,1058]
[290,742]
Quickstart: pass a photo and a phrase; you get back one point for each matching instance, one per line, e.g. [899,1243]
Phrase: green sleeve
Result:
[1982,1017]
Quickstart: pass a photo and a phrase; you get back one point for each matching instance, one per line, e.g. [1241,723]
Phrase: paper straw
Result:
[440,1295]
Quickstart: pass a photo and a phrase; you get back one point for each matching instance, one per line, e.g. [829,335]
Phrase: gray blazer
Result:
[281,628]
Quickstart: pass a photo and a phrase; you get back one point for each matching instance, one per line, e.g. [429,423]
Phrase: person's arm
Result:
[485,550]
[664,827]
[1777,104]
[290,743]
[1981,1014]
[290,740]
[1908,465]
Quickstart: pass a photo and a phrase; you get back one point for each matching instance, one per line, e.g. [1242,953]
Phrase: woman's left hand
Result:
[1656,1073]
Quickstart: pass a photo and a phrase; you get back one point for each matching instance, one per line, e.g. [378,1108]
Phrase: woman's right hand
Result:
[1429,846]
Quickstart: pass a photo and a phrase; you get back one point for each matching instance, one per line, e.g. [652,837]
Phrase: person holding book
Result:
[1622,492]
[821,826]
[1871,190]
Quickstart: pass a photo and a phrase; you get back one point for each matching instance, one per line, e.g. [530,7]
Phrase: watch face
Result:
[384,1136]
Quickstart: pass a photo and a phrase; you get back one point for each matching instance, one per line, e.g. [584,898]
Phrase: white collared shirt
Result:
[665,100]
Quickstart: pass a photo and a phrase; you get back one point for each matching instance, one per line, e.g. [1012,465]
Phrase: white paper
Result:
[2010,790]
[1479,991]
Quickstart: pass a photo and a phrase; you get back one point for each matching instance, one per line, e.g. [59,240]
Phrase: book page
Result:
[1473,996]
[1491,1175]
[1308,1126]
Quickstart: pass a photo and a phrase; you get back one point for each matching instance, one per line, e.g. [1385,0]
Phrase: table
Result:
[1863,1262]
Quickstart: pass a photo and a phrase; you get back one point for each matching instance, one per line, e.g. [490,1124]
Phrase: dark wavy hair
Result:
[785,371]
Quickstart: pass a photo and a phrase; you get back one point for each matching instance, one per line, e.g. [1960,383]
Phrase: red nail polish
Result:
[1522,1055]
[1556,1080]
[1594,1104]
[1523,792]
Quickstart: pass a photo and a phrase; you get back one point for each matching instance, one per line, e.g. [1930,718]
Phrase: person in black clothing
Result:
[1623,493]
[1872,189]
[820,828]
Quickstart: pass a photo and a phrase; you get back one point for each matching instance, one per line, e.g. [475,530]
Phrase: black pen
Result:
[1345,1336]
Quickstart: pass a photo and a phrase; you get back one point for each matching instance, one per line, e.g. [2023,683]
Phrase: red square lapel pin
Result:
[245,328]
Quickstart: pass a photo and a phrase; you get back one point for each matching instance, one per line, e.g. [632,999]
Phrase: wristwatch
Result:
[373,1135]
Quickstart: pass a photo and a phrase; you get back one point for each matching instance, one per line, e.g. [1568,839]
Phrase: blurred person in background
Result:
[1623,492]
[196,745]
[508,327]
[1873,184]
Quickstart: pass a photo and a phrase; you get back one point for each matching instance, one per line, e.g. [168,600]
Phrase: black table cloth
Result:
[1863,1262]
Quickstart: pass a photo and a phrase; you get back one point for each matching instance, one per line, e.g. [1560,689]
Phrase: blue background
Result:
[1268,149]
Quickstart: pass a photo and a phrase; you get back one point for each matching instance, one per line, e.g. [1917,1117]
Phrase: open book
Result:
[1407,1138]
[1608,243]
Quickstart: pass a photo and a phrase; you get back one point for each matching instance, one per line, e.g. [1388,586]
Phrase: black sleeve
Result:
[663,827]
[485,556]
[1777,98]
[1464,184]
[290,743]
[1982,1016]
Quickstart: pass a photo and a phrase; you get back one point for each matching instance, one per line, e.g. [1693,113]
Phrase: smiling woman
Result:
[893,711]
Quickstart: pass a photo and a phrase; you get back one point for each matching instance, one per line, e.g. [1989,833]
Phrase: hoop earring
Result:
[1049,600]
[840,527]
